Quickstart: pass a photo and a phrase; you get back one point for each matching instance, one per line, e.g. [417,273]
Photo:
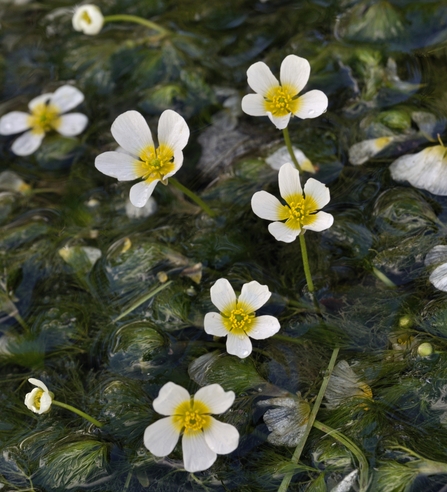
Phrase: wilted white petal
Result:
[213,325]
[220,437]
[216,399]
[253,296]
[439,277]
[118,165]
[169,398]
[141,212]
[239,345]
[161,437]
[282,156]
[289,182]
[438,254]
[295,72]
[312,104]
[223,296]
[322,221]
[266,206]
[318,191]
[132,132]
[282,232]
[72,124]
[264,327]
[27,143]
[260,78]
[197,456]
[140,192]
[66,97]
[14,122]
[346,484]
[254,105]
[172,130]
[360,152]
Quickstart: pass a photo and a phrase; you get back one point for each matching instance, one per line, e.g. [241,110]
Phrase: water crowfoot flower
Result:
[40,399]
[301,210]
[237,320]
[204,437]
[142,159]
[88,19]
[46,114]
[280,100]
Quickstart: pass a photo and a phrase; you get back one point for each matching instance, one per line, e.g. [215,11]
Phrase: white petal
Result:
[161,437]
[38,383]
[14,122]
[318,191]
[42,99]
[171,395]
[27,143]
[280,122]
[72,124]
[118,165]
[66,97]
[282,232]
[215,398]
[438,254]
[197,456]
[295,72]
[213,325]
[45,402]
[323,221]
[221,438]
[439,277]
[239,345]
[141,192]
[266,206]
[260,78]
[132,132]
[254,295]
[312,104]
[29,400]
[223,296]
[172,130]
[362,151]
[264,327]
[178,161]
[254,105]
[289,182]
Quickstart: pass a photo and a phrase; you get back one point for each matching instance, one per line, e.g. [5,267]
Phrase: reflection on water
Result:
[105,303]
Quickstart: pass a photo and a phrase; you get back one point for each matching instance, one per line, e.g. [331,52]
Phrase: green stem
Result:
[136,20]
[79,412]
[310,284]
[192,195]
[313,414]
[285,338]
[355,450]
[143,299]
[381,276]
[286,135]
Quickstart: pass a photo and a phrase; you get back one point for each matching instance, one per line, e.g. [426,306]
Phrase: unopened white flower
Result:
[438,256]
[282,156]
[204,437]
[426,170]
[11,181]
[141,158]
[46,114]
[88,19]
[40,399]
[361,152]
[301,210]
[280,100]
[237,320]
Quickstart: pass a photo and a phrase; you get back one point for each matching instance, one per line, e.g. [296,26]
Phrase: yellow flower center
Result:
[191,416]
[85,17]
[43,118]
[155,163]
[37,398]
[239,321]
[299,211]
[281,100]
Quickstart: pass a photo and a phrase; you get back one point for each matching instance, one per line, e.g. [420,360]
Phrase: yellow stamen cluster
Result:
[43,118]
[155,163]
[299,211]
[191,416]
[239,321]
[37,398]
[85,17]
[281,100]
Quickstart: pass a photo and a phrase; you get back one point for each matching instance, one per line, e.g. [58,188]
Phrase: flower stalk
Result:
[196,199]
[78,412]
[137,20]
[310,284]
[286,135]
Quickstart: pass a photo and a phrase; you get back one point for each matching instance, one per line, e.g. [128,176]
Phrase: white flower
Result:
[237,320]
[438,256]
[11,181]
[282,156]
[46,114]
[40,399]
[88,19]
[361,152]
[204,437]
[141,159]
[301,209]
[279,100]
[426,170]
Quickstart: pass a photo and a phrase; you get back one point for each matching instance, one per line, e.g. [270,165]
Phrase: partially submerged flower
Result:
[361,152]
[40,399]
[426,170]
[204,437]
[282,156]
[237,320]
[88,19]
[11,181]
[438,256]
[280,100]
[141,158]
[46,114]
[301,210]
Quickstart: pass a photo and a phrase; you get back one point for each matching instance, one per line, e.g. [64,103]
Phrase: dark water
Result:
[90,329]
